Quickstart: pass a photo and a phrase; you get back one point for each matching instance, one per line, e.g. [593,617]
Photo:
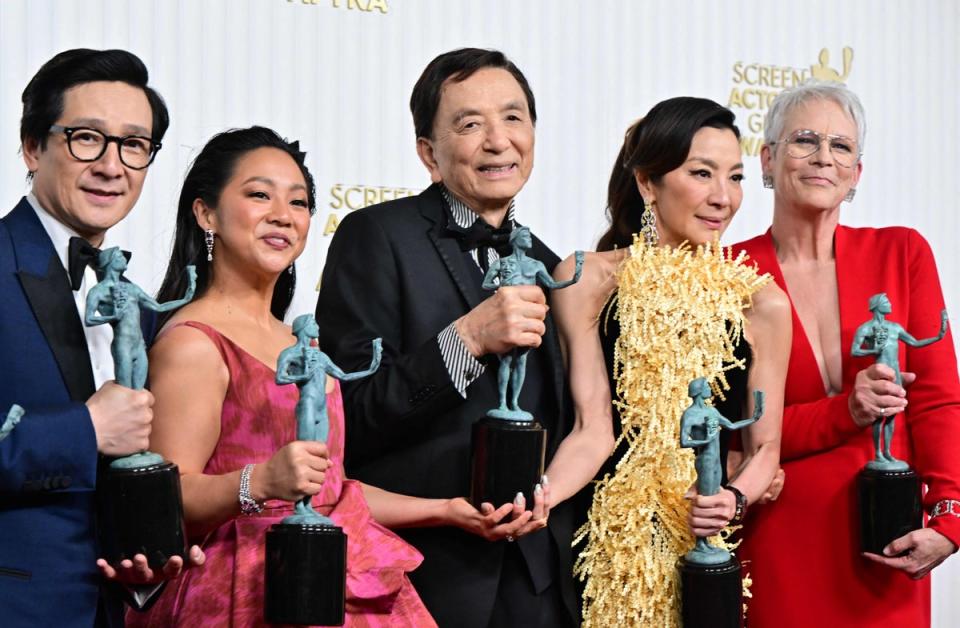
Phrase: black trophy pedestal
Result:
[712,595]
[506,458]
[141,512]
[306,575]
[889,506]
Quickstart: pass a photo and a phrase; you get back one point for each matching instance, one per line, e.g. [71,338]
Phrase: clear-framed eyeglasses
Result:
[804,142]
[86,144]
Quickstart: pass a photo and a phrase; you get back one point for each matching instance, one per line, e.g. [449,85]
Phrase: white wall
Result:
[338,78]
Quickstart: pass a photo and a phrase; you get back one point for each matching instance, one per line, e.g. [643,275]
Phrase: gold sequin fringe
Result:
[681,315]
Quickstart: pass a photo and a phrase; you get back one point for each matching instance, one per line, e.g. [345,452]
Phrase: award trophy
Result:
[508,445]
[13,417]
[141,509]
[305,580]
[710,576]
[888,490]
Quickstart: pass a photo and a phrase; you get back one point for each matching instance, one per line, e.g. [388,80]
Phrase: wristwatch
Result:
[248,505]
[741,510]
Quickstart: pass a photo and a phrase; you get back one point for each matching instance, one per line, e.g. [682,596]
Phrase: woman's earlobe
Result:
[644,187]
[204,215]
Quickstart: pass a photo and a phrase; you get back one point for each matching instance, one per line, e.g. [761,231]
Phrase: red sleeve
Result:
[815,426]
[933,414]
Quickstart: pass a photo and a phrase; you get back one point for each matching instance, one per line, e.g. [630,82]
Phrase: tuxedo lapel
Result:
[47,288]
[456,263]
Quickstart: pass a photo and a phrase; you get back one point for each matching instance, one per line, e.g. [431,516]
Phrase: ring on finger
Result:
[510,538]
[883,412]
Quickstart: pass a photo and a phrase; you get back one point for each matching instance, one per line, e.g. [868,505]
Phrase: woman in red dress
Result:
[803,550]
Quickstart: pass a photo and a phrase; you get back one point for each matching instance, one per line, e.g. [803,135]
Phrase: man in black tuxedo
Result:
[410,271]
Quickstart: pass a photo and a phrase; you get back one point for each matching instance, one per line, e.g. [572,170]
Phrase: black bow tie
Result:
[482,237]
[81,255]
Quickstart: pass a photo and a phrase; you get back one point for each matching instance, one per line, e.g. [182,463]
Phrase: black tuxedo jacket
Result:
[393,272]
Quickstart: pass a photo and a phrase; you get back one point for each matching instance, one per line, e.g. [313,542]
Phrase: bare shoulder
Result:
[598,267]
[770,305]
[185,349]
[578,306]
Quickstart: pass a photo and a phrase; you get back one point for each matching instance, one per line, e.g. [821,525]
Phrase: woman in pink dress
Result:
[243,218]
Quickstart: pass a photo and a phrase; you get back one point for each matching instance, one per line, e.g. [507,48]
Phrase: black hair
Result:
[655,145]
[208,175]
[43,96]
[458,65]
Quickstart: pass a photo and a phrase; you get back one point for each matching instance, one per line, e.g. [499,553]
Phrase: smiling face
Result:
[696,201]
[817,181]
[262,216]
[482,143]
[91,197]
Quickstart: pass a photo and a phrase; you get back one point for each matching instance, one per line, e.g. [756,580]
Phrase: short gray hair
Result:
[813,89]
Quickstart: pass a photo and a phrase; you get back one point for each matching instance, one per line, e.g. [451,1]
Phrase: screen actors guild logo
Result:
[346,197]
[824,72]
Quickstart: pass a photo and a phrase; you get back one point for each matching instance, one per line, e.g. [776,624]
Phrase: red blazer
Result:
[803,550]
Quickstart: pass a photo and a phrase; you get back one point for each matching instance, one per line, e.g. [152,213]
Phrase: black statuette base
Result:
[890,507]
[712,595]
[306,575]
[506,458]
[141,512]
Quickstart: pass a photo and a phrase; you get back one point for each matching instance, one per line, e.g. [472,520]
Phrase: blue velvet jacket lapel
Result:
[47,288]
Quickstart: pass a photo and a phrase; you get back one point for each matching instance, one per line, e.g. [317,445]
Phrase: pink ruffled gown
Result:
[258,419]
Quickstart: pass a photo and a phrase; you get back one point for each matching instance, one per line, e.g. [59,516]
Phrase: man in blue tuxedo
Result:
[90,128]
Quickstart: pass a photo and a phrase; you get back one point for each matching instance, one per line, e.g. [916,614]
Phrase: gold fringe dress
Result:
[681,316]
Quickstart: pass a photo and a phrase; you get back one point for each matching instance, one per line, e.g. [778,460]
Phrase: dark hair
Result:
[458,65]
[43,96]
[654,145]
[208,175]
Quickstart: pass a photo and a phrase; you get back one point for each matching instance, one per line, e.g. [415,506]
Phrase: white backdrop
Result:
[337,75]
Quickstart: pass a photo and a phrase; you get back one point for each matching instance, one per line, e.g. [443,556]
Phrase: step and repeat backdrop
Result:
[337,75]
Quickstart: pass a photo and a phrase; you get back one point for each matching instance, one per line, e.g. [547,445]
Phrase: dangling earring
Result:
[767,181]
[648,224]
[850,194]
[208,238]
[290,268]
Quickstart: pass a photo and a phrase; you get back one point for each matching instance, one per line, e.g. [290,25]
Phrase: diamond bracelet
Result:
[248,505]
[946,507]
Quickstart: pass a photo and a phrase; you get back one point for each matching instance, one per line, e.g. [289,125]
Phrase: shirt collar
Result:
[463,216]
[58,232]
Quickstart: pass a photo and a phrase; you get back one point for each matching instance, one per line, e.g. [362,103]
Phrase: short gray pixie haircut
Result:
[813,89]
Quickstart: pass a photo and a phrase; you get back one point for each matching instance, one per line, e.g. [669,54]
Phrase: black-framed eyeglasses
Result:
[804,142]
[86,144]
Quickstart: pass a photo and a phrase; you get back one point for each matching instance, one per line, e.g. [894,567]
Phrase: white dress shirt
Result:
[99,337]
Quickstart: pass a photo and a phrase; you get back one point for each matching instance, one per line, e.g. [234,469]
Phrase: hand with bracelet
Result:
[295,471]
[710,514]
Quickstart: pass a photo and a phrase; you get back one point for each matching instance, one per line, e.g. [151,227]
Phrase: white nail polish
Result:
[544,480]
[538,490]
[519,500]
